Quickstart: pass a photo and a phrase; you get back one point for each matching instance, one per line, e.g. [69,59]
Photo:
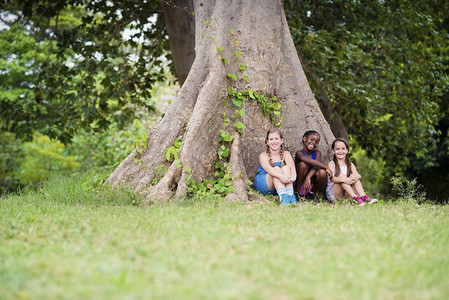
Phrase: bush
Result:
[42,157]
[10,157]
[409,191]
[108,148]
[373,171]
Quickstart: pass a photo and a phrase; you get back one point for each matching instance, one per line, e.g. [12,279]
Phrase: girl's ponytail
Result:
[282,156]
[269,156]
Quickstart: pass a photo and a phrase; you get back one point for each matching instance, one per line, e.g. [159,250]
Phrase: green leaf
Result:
[223,152]
[237,102]
[225,136]
[233,76]
[241,112]
[239,126]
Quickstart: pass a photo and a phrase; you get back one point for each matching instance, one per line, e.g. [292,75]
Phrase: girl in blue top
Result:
[276,171]
[311,172]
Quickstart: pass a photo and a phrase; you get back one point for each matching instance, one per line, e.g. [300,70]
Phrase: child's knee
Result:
[320,174]
[286,167]
[337,190]
[286,170]
[302,166]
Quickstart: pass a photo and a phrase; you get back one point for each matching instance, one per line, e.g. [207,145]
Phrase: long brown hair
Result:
[275,130]
[347,160]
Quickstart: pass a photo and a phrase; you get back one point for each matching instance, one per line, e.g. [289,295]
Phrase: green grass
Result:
[72,241]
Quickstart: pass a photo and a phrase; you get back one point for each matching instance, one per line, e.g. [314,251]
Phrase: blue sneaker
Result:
[288,199]
[292,199]
[284,199]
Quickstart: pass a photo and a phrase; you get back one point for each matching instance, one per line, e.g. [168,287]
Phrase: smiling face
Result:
[311,142]
[340,150]
[274,141]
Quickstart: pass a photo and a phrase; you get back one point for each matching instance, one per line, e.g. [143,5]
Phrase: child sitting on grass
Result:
[346,180]
[276,171]
[311,172]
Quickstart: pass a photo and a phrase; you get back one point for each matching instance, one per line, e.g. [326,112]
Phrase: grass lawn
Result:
[70,241]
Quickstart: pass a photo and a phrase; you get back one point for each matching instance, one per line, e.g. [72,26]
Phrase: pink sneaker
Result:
[359,201]
[368,199]
[303,192]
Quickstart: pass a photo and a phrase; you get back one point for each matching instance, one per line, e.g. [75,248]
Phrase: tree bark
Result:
[257,29]
[333,117]
[180,23]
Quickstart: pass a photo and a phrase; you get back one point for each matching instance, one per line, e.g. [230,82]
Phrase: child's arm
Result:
[314,162]
[323,166]
[340,178]
[354,174]
[265,163]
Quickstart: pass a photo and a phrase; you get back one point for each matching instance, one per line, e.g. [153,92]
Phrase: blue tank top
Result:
[313,157]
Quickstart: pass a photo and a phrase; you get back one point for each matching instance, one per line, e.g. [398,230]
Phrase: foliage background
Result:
[383,68]
[84,74]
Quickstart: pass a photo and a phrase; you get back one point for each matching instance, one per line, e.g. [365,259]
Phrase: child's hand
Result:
[328,171]
[307,184]
[354,177]
[285,180]
[349,181]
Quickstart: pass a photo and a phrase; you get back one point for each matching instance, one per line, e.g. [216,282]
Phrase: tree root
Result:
[182,186]
[162,191]
[258,198]
[238,171]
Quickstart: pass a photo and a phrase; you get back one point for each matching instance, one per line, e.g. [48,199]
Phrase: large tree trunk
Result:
[257,29]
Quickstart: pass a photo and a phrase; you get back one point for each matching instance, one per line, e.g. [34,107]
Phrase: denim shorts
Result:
[260,185]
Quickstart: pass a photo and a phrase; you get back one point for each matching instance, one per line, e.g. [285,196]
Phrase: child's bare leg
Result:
[337,190]
[302,169]
[287,172]
[348,189]
[276,181]
[270,182]
[285,191]
[359,188]
[319,180]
